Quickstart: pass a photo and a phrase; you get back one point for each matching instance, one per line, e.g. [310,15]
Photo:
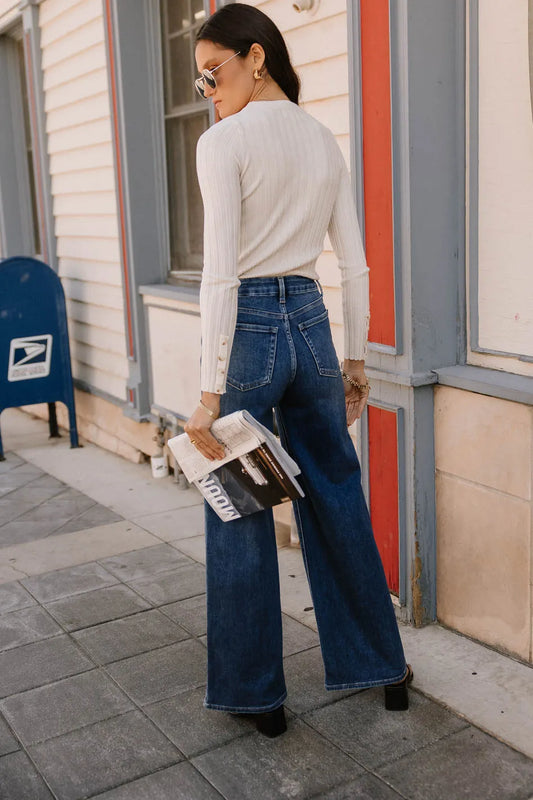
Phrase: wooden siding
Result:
[83,188]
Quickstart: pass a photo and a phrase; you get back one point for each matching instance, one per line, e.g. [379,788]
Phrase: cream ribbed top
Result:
[273,181]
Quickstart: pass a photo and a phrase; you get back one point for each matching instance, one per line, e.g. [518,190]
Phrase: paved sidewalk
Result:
[102,662]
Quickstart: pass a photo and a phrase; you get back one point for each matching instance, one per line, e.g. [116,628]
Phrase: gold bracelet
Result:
[205,408]
[355,383]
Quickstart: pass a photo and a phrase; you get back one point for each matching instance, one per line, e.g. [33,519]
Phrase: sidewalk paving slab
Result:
[103,667]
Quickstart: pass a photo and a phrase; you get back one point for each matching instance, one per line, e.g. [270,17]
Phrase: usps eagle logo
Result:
[29,357]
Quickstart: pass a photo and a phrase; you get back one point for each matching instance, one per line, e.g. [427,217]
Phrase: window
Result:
[500,185]
[186,118]
[20,220]
[28,145]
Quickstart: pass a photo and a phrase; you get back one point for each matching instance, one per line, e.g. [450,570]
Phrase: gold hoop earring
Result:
[257,75]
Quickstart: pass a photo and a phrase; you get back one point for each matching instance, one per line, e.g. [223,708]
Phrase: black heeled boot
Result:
[396,698]
[269,723]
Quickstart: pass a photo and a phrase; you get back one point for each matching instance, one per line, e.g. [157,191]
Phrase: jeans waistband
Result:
[278,286]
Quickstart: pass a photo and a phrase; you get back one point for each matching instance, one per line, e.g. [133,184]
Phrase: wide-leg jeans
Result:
[283,360]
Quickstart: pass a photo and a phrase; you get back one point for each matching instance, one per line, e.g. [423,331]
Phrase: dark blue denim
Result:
[283,359]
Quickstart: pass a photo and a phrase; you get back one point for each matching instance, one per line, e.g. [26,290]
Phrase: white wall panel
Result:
[505,230]
[175,358]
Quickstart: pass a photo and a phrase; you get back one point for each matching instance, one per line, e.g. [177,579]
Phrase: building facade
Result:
[431,104]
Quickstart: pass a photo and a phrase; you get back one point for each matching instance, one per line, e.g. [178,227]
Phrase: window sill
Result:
[493,382]
[189,293]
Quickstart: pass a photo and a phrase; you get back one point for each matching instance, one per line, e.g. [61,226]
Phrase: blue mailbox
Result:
[34,346]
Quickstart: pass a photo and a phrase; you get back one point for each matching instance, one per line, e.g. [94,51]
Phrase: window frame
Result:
[17,214]
[180,276]
[132,31]
[472,346]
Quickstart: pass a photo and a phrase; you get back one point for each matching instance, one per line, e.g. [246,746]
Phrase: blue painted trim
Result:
[422,554]
[30,20]
[135,40]
[353,13]
[401,378]
[189,294]
[16,229]
[473,188]
[492,382]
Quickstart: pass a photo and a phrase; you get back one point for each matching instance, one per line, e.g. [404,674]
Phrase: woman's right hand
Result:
[356,399]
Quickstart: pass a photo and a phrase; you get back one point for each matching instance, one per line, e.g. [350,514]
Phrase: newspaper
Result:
[239,433]
[256,473]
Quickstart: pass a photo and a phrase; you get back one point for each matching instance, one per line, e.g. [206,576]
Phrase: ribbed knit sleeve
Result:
[217,164]
[346,240]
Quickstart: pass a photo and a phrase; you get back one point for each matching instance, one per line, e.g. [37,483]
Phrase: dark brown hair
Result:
[238,26]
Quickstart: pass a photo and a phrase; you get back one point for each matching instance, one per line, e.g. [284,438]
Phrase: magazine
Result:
[255,473]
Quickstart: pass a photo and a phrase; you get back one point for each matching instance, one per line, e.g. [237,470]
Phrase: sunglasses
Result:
[207,77]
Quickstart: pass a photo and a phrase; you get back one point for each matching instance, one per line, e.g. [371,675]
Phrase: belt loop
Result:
[319,287]
[281,283]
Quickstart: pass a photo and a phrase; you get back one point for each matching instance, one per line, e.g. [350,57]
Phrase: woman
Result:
[273,181]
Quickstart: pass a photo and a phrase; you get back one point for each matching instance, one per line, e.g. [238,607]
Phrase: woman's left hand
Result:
[356,399]
[198,428]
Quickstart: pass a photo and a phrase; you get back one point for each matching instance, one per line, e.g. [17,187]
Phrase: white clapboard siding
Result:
[86,271]
[81,136]
[317,40]
[86,85]
[88,61]
[79,39]
[87,226]
[98,249]
[93,293]
[100,380]
[322,79]
[54,8]
[68,19]
[97,338]
[286,18]
[103,358]
[77,113]
[89,204]
[83,180]
[97,155]
[95,379]
[107,319]
[81,154]
[8,10]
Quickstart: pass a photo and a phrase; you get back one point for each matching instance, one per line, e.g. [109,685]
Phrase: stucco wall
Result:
[483,460]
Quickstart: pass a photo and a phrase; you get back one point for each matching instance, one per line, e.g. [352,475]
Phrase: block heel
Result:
[269,723]
[396,697]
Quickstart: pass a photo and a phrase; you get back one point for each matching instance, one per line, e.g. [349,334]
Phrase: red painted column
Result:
[377,159]
[384,489]
[379,242]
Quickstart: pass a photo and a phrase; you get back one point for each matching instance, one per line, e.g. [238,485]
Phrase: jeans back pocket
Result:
[252,357]
[317,335]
